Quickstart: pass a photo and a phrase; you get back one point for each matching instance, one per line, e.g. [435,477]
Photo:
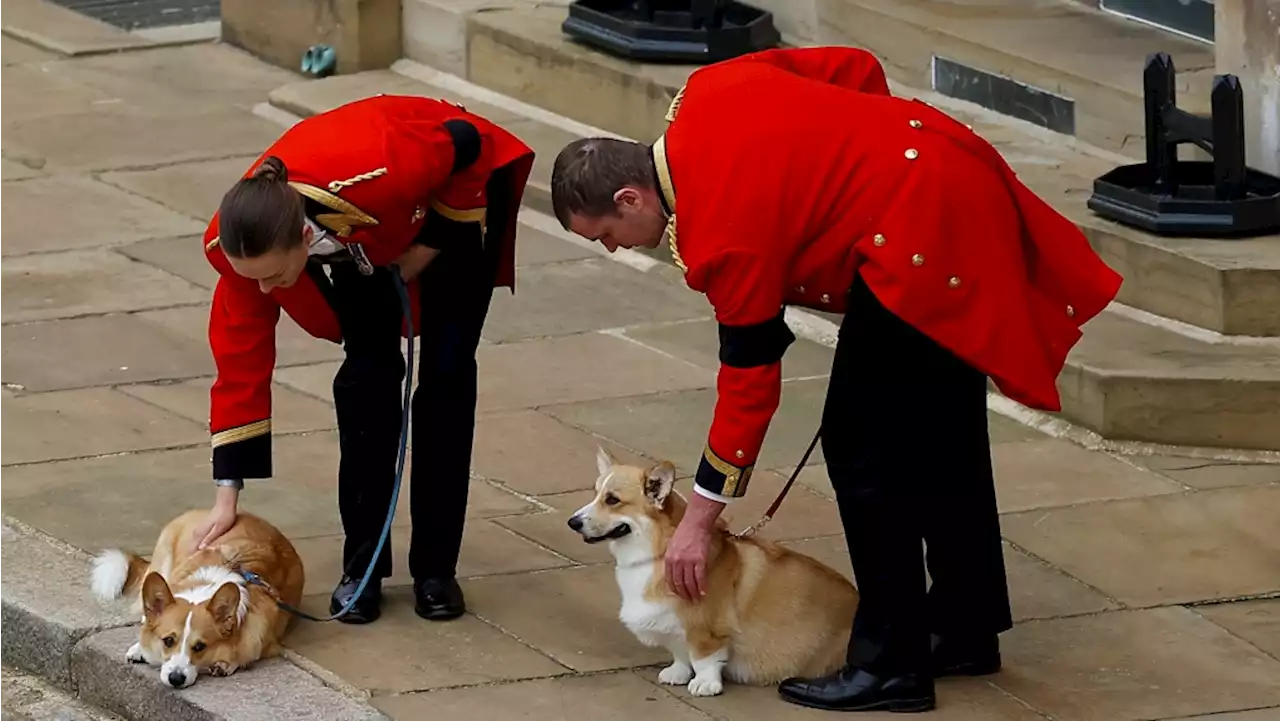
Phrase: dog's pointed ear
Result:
[604,460]
[658,482]
[225,607]
[156,596]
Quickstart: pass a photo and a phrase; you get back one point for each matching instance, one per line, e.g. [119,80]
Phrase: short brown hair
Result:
[588,171]
[261,213]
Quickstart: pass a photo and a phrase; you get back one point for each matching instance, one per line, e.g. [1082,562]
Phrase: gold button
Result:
[915,123]
[879,239]
[912,153]
[1071,312]
[968,126]
[800,289]
[954,282]
[419,213]
[917,260]
[739,454]
[826,298]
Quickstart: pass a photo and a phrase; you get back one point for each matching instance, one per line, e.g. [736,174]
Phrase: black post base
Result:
[1221,198]
[672,31]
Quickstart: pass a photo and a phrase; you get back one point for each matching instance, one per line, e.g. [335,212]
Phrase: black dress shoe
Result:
[366,609]
[853,689]
[965,656]
[438,599]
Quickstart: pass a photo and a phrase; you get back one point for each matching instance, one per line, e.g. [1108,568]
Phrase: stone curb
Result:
[53,627]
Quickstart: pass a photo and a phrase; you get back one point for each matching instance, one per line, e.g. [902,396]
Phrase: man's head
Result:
[605,189]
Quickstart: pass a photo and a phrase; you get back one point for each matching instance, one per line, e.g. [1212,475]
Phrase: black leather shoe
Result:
[438,599]
[853,689]
[366,609]
[965,657]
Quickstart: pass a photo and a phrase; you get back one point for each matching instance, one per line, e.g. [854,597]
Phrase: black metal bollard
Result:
[1167,196]
[679,31]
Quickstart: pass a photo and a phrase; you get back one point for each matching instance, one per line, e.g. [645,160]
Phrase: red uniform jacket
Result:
[376,172]
[796,169]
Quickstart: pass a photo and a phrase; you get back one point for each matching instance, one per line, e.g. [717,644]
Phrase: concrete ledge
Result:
[56,28]
[53,627]
[365,34]
[46,606]
[274,690]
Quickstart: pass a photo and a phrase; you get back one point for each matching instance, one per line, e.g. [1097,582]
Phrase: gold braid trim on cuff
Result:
[735,478]
[242,433]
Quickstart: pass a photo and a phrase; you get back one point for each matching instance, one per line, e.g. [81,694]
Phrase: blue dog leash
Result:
[403,291]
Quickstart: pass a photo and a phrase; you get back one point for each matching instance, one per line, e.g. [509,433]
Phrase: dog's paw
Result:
[703,686]
[677,674]
[221,668]
[134,654]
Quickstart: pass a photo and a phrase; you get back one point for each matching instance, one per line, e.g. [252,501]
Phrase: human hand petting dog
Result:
[686,557]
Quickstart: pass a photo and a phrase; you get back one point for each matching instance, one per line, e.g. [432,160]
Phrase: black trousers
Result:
[906,446]
[456,289]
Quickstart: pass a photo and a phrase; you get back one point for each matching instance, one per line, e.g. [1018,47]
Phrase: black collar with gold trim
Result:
[662,172]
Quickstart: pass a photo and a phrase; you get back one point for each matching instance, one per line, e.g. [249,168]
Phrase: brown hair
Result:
[261,213]
[588,171]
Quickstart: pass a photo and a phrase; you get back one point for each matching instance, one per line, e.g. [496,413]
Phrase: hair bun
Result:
[272,170]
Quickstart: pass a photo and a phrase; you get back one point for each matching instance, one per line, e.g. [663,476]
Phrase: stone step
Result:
[1228,287]
[1085,64]
[1127,380]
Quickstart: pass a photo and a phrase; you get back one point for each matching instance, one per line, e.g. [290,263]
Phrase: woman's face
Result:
[277,268]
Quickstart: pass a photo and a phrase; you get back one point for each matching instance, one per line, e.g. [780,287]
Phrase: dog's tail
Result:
[116,573]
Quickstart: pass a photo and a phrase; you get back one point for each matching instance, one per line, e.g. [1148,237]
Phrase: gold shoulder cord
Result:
[668,188]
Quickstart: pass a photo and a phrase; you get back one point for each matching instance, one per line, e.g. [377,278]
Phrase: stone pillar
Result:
[1247,45]
[365,34]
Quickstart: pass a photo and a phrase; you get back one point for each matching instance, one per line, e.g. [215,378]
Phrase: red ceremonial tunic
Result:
[380,169]
[796,169]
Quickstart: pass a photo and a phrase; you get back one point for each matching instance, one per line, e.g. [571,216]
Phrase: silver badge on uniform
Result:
[362,260]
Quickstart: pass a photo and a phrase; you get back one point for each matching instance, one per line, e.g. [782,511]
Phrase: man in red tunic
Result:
[801,181]
[313,229]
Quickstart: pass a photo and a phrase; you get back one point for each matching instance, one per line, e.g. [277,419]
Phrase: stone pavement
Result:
[28,697]
[1144,586]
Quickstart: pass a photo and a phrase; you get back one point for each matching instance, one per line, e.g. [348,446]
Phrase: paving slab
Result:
[1257,622]
[1052,472]
[13,51]
[535,454]
[47,607]
[620,696]
[401,652]
[529,374]
[673,426]
[56,28]
[174,256]
[549,528]
[546,141]
[86,422]
[1262,714]
[958,700]
[270,690]
[35,217]
[101,350]
[291,412]
[118,136]
[1162,549]
[699,342]
[488,549]
[49,286]
[213,75]
[14,170]
[1036,589]
[1150,664]
[586,295]
[193,189]
[1205,473]
[585,600]
[39,90]
[534,247]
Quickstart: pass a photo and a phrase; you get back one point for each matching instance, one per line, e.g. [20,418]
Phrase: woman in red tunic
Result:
[315,228]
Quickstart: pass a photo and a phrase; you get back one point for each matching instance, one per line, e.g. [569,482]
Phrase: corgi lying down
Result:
[769,614]
[199,615]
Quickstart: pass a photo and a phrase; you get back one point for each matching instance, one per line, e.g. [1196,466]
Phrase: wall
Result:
[1247,34]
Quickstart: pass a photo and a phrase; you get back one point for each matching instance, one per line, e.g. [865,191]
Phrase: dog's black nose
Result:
[575,523]
[177,678]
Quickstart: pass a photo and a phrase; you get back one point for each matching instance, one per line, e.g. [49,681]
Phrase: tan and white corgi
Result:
[199,614]
[770,613]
